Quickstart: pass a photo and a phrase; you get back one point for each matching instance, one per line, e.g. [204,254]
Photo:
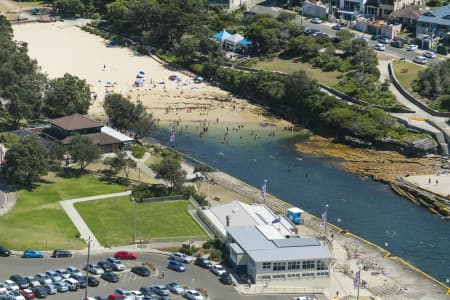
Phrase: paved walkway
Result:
[78,221]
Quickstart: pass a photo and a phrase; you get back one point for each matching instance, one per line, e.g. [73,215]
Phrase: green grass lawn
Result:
[38,217]
[112,220]
[406,73]
[288,66]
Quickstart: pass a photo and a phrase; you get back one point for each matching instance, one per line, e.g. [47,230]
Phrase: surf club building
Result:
[65,128]
[263,246]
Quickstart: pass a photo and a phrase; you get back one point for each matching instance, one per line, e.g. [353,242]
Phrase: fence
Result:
[164,198]
[287,290]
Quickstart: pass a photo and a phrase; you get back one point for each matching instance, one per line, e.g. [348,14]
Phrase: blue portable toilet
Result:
[295,215]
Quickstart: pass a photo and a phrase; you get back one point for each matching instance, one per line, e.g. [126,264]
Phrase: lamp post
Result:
[325,220]
[134,220]
[87,272]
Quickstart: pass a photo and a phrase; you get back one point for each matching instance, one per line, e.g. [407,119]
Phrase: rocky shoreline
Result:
[384,166]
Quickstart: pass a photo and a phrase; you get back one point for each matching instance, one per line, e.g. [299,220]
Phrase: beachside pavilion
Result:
[264,246]
[65,128]
[234,42]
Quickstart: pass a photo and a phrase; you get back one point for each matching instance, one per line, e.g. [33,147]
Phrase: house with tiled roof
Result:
[435,23]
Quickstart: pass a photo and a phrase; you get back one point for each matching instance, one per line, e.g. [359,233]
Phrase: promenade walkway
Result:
[78,221]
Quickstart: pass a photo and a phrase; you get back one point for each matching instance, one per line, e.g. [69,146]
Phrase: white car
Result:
[95,269]
[117,264]
[63,273]
[379,47]
[50,288]
[420,60]
[3,288]
[175,288]
[429,54]
[412,47]
[137,295]
[16,295]
[193,295]
[11,285]
[53,275]
[316,21]
[218,270]
[43,278]
[178,256]
[74,271]
[124,294]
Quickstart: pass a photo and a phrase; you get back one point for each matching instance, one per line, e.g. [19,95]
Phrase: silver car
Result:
[94,269]
[175,288]
[74,271]
[11,285]
[43,278]
[51,288]
[53,275]
[61,287]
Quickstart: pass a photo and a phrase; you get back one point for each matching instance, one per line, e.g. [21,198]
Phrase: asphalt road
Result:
[194,276]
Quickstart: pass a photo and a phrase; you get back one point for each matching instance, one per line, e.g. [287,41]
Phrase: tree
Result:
[119,162]
[69,8]
[126,115]
[67,95]
[170,169]
[83,151]
[26,161]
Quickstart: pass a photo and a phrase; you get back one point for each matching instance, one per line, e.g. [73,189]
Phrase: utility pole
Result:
[134,225]
[87,272]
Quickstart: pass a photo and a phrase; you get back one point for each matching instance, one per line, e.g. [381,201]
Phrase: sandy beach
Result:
[114,69]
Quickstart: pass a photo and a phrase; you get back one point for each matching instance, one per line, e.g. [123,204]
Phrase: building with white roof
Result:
[265,246]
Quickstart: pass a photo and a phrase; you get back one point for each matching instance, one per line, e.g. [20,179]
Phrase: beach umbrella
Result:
[141,73]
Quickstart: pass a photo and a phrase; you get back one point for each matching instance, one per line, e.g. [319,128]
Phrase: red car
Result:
[125,255]
[27,293]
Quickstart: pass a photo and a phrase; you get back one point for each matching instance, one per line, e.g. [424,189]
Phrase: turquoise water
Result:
[362,206]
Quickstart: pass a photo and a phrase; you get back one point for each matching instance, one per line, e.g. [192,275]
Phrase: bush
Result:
[189,250]
[203,168]
[8,139]
[138,151]
[142,50]
[441,49]
[215,254]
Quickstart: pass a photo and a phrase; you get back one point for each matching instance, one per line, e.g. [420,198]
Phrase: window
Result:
[278,276]
[308,264]
[279,266]
[263,277]
[293,265]
[294,275]
[322,273]
[321,265]
[267,265]
[308,275]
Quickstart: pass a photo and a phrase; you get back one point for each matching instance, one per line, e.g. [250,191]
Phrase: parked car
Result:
[53,275]
[110,277]
[316,21]
[61,253]
[361,37]
[105,265]
[32,254]
[193,295]
[397,44]
[141,271]
[337,27]
[27,293]
[72,284]
[124,294]
[203,262]
[160,290]
[379,47]
[33,282]
[116,263]
[175,288]
[94,269]
[4,251]
[314,32]
[61,286]
[148,293]
[43,278]
[384,40]
[11,285]
[20,281]
[412,47]
[307,31]
[74,271]
[3,288]
[81,280]
[376,37]
[16,295]
[40,292]
[225,278]
[63,273]
[176,266]
[218,270]
[429,54]
[92,281]
[137,295]
[125,255]
[50,288]
[178,256]
[420,60]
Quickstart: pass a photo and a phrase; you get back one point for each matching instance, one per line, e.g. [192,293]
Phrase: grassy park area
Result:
[288,66]
[112,221]
[406,73]
[38,220]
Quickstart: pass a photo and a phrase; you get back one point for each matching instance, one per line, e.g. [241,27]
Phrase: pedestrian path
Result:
[77,220]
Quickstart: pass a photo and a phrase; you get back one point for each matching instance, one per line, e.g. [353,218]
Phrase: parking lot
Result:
[194,276]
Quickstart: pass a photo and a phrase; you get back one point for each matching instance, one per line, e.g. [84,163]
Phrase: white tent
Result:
[233,40]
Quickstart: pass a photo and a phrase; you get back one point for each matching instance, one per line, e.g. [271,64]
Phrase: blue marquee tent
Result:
[222,35]
[245,43]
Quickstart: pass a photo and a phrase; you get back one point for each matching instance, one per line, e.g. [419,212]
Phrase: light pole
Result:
[134,225]
[87,272]
[325,221]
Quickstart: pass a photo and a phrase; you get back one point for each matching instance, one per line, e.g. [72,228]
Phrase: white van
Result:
[420,60]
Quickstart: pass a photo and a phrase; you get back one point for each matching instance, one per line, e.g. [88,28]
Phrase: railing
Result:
[164,198]
[287,290]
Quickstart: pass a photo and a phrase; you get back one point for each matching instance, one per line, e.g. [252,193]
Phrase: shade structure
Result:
[245,43]
[222,35]
[141,73]
[233,40]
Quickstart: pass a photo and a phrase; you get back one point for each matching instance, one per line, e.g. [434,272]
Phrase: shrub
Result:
[189,250]
[203,168]
[441,49]
[142,50]
[215,254]
[138,151]
[8,139]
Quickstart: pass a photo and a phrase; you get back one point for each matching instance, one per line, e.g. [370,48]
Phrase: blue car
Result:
[32,254]
[176,266]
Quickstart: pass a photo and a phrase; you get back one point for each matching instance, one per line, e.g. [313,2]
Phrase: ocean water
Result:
[367,208]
